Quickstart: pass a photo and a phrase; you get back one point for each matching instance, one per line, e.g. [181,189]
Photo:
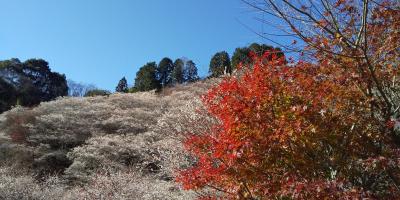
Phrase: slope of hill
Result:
[124,146]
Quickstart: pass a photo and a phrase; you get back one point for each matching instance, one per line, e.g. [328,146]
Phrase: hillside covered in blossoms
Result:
[121,146]
[315,116]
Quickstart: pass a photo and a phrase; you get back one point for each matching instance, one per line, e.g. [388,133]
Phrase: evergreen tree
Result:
[190,72]
[220,64]
[33,80]
[146,78]
[242,55]
[49,84]
[122,86]
[178,72]
[164,71]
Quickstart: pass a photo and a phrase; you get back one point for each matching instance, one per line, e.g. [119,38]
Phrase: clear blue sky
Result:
[100,41]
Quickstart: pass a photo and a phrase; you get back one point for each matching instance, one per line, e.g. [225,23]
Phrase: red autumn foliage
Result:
[296,131]
[315,129]
[276,124]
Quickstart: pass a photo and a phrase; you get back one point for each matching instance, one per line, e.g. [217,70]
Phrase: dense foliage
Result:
[8,95]
[322,128]
[190,72]
[29,83]
[242,55]
[178,72]
[166,74]
[122,86]
[220,64]
[146,78]
[164,71]
[97,92]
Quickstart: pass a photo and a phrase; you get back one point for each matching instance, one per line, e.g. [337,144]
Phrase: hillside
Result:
[122,146]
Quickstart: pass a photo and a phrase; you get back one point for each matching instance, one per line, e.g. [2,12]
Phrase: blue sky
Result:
[100,41]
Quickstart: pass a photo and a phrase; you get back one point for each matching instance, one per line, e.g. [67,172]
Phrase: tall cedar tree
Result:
[178,73]
[164,71]
[190,72]
[122,86]
[220,64]
[146,78]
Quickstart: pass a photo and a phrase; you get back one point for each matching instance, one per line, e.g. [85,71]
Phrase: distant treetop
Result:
[122,86]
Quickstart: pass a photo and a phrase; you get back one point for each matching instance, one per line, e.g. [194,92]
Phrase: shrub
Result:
[133,90]
[16,122]
[20,186]
[97,92]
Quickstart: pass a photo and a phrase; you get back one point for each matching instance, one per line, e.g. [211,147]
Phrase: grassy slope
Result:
[124,146]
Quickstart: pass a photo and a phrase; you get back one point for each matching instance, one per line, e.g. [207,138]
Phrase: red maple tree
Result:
[315,129]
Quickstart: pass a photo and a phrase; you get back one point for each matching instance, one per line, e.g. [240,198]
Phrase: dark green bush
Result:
[97,92]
